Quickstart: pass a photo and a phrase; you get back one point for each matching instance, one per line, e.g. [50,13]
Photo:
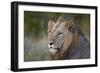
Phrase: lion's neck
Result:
[78,50]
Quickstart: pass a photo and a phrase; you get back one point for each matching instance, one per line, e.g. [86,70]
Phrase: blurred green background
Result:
[35,32]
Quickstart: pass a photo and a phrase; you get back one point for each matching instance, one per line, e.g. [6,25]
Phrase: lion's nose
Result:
[50,43]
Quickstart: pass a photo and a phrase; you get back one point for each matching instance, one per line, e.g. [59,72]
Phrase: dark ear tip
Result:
[70,28]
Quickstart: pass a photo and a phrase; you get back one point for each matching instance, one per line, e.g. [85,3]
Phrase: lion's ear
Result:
[71,27]
[50,24]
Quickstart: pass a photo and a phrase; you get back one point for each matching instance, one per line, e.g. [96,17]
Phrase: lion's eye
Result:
[59,33]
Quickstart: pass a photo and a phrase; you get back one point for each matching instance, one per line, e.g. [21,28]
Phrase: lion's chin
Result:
[52,50]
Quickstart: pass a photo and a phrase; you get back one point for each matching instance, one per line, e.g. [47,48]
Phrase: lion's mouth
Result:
[57,48]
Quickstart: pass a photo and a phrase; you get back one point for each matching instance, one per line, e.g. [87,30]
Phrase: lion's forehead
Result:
[56,27]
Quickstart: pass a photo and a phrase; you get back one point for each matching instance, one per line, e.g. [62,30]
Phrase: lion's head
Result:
[60,36]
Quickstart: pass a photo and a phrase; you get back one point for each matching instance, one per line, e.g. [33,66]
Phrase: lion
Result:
[66,40]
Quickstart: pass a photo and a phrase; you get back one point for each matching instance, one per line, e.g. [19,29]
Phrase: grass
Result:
[36,50]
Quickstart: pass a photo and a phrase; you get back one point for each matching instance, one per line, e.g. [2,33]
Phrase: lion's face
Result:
[59,35]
